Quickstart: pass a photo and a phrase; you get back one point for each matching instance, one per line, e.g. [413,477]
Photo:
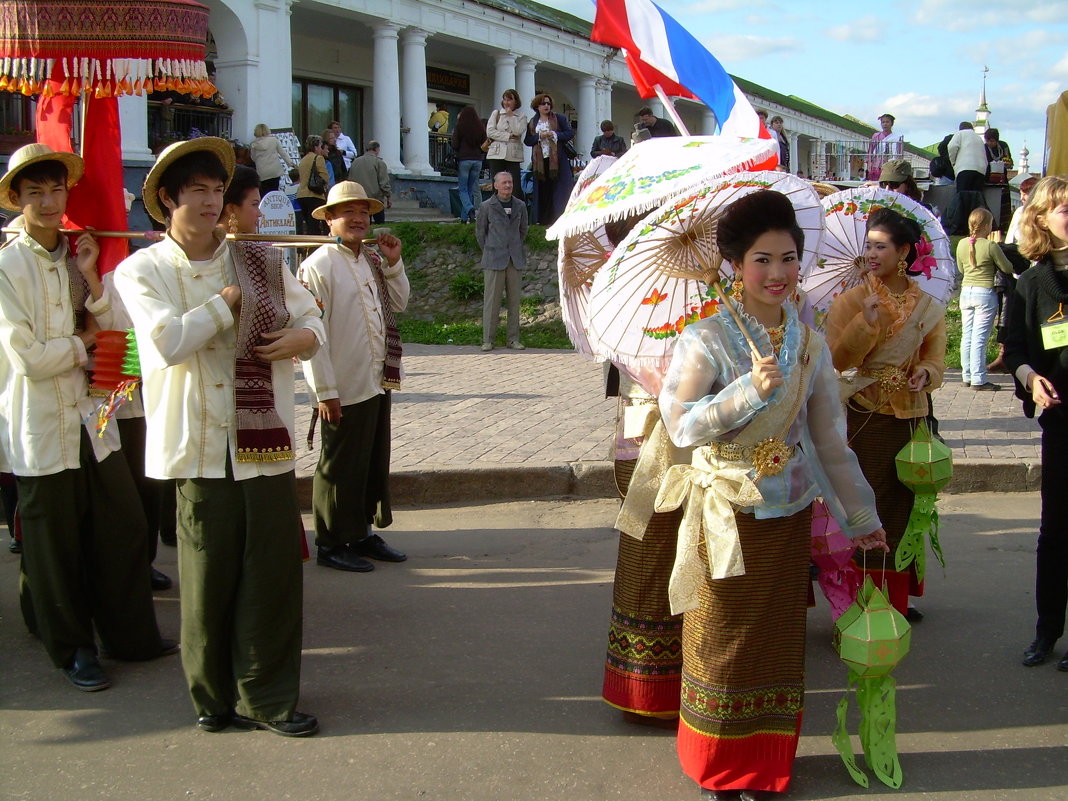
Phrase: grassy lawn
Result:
[469,332]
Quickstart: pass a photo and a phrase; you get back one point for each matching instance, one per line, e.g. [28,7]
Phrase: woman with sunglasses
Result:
[553,179]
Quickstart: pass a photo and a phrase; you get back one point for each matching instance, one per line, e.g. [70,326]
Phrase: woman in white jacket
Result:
[505,130]
[268,154]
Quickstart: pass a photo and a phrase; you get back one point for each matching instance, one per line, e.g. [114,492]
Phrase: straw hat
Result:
[32,154]
[170,154]
[346,192]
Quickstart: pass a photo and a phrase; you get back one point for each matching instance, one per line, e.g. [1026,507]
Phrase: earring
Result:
[231,224]
[736,289]
[902,265]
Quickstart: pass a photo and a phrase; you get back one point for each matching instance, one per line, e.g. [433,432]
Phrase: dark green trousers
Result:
[132,432]
[84,560]
[239,561]
[350,489]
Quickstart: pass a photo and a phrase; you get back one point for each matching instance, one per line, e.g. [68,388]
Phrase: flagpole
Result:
[669,107]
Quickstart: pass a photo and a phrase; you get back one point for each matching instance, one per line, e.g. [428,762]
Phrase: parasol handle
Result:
[669,107]
[714,273]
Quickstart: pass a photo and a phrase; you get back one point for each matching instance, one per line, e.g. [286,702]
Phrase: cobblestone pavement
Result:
[460,407]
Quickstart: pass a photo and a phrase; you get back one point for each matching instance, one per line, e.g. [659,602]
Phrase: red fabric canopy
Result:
[109,48]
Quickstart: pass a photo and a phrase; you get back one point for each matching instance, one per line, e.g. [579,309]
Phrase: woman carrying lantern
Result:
[767,428]
[1036,352]
[895,335]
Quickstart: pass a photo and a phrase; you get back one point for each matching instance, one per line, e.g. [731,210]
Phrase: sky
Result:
[920,60]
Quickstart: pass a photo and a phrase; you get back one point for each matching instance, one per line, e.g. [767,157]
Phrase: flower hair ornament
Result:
[925,260]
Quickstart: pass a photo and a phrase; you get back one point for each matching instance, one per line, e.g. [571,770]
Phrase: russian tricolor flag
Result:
[660,51]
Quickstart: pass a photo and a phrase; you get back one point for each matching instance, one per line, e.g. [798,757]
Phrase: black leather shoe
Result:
[342,559]
[160,581]
[14,546]
[374,547]
[296,725]
[1039,651]
[214,723]
[755,795]
[168,647]
[913,615]
[719,795]
[85,672]
[1063,664]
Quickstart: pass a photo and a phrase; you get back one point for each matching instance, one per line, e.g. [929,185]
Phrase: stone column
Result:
[503,76]
[385,96]
[604,101]
[792,138]
[524,79]
[708,123]
[133,122]
[414,102]
[255,65]
[588,120]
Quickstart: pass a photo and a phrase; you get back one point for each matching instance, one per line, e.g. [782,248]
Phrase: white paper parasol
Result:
[658,280]
[840,261]
[655,170]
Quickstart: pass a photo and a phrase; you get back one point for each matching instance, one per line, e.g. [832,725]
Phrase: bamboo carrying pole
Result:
[158,235]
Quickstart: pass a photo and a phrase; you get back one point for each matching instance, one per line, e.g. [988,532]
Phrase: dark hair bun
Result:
[750,217]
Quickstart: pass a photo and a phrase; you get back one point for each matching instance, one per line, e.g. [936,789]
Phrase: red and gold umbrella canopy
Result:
[103,47]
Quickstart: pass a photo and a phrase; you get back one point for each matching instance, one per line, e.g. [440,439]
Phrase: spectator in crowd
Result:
[1005,285]
[467,139]
[371,172]
[553,179]
[439,120]
[884,145]
[779,135]
[969,160]
[269,157]
[505,130]
[501,229]
[608,143]
[360,290]
[896,175]
[653,124]
[343,143]
[311,192]
[998,156]
[334,159]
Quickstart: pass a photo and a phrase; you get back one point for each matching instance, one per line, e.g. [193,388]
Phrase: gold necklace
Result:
[776,335]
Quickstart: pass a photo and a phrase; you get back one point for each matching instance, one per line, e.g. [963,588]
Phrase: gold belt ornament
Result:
[890,379]
[769,456]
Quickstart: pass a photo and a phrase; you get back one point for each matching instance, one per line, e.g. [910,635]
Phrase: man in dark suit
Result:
[500,228]
[655,125]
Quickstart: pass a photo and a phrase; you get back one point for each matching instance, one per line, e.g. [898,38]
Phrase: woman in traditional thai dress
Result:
[768,429]
[895,335]
[1036,353]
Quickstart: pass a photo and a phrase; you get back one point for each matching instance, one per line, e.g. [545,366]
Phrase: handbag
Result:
[316,184]
[569,150]
[485,146]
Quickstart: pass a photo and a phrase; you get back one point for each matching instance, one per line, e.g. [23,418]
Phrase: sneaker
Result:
[517,345]
[487,347]
[986,386]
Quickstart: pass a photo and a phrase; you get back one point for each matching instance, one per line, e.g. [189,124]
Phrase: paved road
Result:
[472,673]
[475,426]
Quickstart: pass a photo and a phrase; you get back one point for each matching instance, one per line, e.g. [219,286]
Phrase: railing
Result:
[848,159]
[171,122]
[441,156]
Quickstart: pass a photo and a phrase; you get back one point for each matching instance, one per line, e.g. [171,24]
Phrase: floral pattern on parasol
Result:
[579,257]
[655,170]
[839,263]
[662,277]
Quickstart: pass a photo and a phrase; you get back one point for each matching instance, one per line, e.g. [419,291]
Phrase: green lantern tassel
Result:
[131,363]
[923,520]
[876,699]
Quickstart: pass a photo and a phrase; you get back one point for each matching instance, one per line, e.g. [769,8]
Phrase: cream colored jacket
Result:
[186,337]
[506,132]
[44,394]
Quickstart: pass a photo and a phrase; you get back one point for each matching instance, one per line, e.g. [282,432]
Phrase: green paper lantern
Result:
[925,464]
[131,363]
[871,637]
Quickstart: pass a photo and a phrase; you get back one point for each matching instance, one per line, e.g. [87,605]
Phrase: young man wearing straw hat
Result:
[85,564]
[220,421]
[351,378]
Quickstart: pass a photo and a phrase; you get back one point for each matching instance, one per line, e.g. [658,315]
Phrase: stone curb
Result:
[530,481]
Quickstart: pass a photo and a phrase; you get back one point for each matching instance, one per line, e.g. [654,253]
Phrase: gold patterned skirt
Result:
[743,651]
[877,439]
[643,667]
